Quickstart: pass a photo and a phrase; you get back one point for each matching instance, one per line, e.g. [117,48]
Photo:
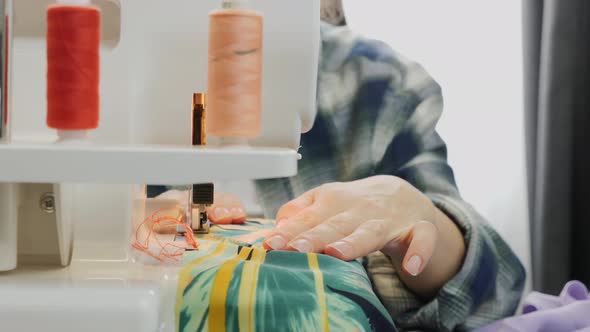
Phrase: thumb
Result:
[416,244]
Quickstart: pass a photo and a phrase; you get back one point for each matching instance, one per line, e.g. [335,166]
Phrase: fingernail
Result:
[276,242]
[343,248]
[221,213]
[413,265]
[301,245]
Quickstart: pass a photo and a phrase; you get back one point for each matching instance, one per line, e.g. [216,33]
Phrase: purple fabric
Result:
[573,291]
[568,312]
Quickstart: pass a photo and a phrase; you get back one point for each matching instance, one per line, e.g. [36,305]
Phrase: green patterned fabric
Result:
[232,284]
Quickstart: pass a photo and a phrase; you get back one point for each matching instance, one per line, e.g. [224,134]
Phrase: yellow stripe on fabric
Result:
[247,296]
[185,277]
[220,289]
[314,265]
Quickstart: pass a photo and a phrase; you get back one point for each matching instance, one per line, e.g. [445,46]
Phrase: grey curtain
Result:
[557,102]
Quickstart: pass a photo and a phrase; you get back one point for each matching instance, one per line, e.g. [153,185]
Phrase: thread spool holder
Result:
[169,165]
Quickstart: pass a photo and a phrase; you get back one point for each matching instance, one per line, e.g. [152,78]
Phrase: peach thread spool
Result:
[234,96]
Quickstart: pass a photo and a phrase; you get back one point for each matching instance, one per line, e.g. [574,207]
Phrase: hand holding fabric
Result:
[353,219]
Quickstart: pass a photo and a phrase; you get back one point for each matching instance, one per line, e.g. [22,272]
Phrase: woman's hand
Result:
[354,219]
[228,209]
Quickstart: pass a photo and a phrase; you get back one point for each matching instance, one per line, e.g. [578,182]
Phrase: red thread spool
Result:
[73,67]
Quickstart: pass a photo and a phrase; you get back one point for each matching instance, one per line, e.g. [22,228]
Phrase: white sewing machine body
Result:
[68,267]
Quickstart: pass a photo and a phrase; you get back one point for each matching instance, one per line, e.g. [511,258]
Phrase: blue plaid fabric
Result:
[377,114]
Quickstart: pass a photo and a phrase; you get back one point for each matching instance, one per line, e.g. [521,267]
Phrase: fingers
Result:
[288,229]
[420,241]
[220,215]
[367,238]
[295,206]
[239,214]
[424,237]
[348,238]
[333,229]
[227,209]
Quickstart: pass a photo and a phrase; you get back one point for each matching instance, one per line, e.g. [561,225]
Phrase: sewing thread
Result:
[73,67]
[234,98]
[147,240]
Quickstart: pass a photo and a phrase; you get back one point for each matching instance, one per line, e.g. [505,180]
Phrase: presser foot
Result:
[202,197]
[203,230]
[203,227]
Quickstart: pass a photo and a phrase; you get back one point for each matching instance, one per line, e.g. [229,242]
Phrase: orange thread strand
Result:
[165,251]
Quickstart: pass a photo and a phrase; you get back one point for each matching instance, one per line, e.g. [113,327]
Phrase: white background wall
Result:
[474,50]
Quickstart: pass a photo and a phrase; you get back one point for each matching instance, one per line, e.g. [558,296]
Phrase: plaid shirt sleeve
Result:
[377,115]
